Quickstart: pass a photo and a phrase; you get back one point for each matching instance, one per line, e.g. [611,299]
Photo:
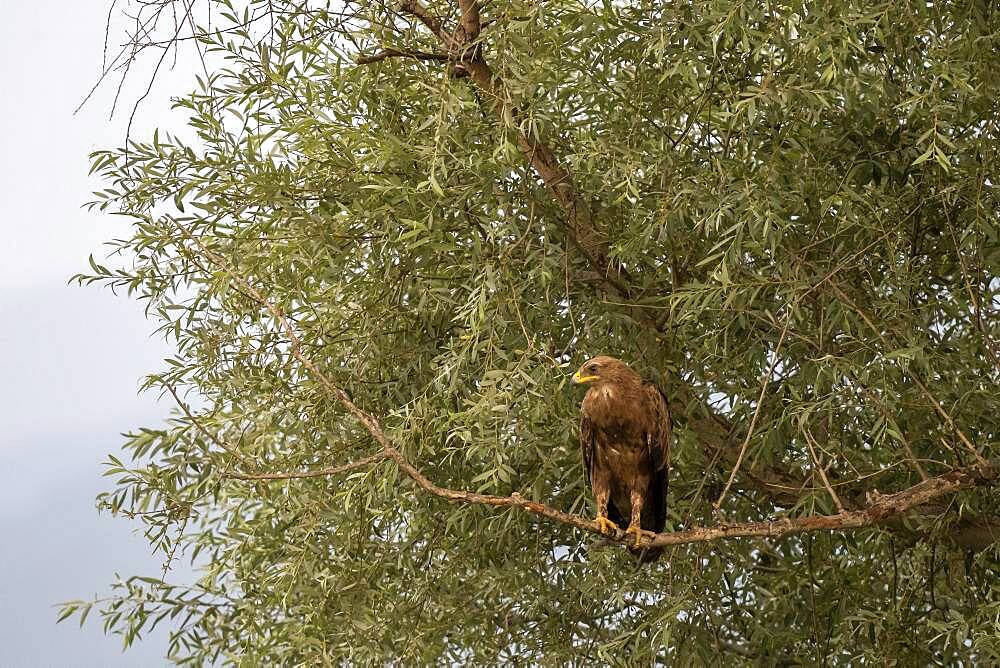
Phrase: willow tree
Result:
[396,229]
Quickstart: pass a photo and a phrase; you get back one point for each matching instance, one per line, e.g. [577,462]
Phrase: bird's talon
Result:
[640,534]
[606,525]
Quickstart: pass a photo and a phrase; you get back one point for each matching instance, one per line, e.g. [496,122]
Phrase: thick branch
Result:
[540,156]
[396,53]
[881,509]
[433,23]
[470,19]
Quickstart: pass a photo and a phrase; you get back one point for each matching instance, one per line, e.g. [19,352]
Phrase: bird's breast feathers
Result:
[611,408]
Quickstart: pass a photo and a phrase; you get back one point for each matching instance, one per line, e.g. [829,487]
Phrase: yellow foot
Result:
[639,534]
[606,525]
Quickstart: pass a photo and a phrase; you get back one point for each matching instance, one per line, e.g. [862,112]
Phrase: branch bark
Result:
[470,19]
[433,23]
[540,156]
[881,509]
[397,53]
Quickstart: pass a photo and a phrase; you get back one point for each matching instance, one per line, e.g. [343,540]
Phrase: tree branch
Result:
[470,19]
[396,53]
[540,156]
[818,468]
[433,23]
[764,381]
[882,508]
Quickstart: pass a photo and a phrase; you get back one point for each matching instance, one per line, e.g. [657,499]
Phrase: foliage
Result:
[786,213]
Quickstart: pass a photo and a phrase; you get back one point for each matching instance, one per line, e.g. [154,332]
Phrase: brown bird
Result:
[625,438]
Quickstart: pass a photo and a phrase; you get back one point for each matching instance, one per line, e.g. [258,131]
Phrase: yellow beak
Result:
[583,380]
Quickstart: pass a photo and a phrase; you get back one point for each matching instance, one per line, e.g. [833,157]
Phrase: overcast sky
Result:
[71,357]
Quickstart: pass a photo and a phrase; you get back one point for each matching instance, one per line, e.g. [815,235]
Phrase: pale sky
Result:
[71,357]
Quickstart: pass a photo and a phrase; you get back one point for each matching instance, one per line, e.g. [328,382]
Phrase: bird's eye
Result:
[593,368]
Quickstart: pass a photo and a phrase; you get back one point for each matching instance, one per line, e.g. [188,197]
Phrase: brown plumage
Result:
[625,438]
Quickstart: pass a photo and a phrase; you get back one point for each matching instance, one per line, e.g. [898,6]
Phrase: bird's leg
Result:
[635,524]
[601,494]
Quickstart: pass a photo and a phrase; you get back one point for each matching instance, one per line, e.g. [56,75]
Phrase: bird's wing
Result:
[587,445]
[658,439]
[659,435]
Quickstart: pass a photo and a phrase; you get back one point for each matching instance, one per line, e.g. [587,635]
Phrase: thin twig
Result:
[948,420]
[818,467]
[433,23]
[197,423]
[756,413]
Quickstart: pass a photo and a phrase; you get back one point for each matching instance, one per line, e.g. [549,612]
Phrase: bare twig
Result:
[948,420]
[197,423]
[765,381]
[818,467]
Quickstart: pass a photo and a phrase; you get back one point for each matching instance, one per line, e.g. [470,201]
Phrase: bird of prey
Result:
[625,438]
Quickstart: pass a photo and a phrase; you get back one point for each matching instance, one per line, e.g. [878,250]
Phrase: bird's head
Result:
[601,369]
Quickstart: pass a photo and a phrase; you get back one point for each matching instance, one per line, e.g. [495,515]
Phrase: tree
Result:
[399,229]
